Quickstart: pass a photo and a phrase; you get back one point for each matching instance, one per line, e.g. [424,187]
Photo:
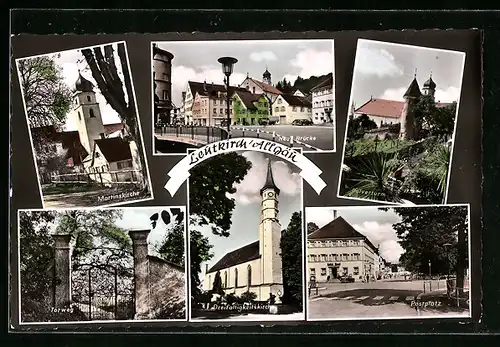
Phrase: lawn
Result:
[54,188]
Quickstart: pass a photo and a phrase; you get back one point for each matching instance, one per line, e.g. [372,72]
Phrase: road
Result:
[311,138]
[379,299]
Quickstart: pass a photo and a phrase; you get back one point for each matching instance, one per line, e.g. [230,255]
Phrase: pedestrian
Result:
[328,278]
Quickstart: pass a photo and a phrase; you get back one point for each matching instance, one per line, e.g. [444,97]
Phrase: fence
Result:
[203,133]
[128,176]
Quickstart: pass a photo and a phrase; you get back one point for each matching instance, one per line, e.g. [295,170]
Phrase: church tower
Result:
[86,113]
[407,119]
[266,77]
[270,235]
[429,87]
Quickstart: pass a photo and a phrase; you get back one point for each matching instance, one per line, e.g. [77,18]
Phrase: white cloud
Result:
[248,191]
[70,62]
[181,75]
[312,63]
[382,235]
[393,94]
[377,62]
[319,215]
[450,94]
[263,56]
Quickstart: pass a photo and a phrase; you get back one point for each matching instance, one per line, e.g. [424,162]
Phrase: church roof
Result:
[270,180]
[83,85]
[114,149]
[238,256]
[381,108]
[339,228]
[430,83]
[413,90]
[266,88]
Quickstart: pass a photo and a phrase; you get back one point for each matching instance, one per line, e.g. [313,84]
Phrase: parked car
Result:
[347,279]
[302,122]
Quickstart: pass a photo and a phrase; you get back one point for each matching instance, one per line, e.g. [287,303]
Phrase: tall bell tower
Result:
[86,113]
[270,233]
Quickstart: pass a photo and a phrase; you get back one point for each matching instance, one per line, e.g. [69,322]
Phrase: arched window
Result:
[249,275]
[79,116]
[209,281]
[88,98]
[235,278]
[253,90]
[225,279]
[91,113]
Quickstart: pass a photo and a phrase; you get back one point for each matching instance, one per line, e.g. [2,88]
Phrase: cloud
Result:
[312,63]
[393,94]
[263,56]
[248,191]
[379,62]
[450,94]
[384,236]
[181,75]
[319,215]
[70,62]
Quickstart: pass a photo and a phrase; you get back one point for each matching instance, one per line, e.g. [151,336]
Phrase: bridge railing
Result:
[193,132]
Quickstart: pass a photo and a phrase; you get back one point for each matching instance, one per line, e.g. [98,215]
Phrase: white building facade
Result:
[289,108]
[323,102]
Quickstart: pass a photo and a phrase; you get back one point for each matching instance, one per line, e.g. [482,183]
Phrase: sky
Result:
[376,225]
[72,60]
[246,214]
[385,70]
[197,61]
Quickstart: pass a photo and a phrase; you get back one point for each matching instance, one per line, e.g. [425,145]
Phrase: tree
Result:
[371,177]
[291,258]
[217,284]
[171,248]
[423,233]
[284,86]
[101,61]
[357,127]
[311,227]
[209,184]
[199,252]
[434,120]
[35,263]
[47,98]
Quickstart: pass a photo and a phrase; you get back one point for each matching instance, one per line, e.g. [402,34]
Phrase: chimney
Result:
[62,264]
[334,214]
[141,272]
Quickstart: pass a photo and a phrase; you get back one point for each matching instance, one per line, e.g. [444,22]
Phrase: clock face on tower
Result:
[270,194]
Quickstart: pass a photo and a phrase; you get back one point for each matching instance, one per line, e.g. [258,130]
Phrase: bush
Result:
[248,296]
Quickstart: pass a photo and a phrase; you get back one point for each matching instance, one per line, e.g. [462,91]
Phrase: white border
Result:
[381,318]
[137,321]
[259,321]
[141,138]
[350,103]
[334,118]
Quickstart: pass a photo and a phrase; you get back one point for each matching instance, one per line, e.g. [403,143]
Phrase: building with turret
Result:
[162,85]
[386,112]
[255,267]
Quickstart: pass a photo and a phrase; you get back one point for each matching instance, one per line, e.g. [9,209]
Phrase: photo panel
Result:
[84,127]
[207,91]
[401,123]
[373,262]
[246,239]
[102,265]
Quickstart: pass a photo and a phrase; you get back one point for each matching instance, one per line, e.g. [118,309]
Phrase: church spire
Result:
[270,180]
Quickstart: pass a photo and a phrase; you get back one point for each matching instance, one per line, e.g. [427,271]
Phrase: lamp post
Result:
[227,69]
[430,274]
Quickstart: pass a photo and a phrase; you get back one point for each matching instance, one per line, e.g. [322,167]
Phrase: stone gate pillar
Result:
[62,277]
[141,273]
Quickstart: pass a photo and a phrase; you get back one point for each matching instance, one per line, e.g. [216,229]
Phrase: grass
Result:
[365,146]
[55,188]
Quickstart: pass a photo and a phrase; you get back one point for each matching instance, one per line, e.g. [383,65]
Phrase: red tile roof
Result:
[111,128]
[385,108]
[381,108]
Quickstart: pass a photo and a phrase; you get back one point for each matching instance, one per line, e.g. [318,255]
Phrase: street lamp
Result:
[227,70]
[430,274]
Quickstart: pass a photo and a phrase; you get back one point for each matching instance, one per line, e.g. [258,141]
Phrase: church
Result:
[105,153]
[255,267]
